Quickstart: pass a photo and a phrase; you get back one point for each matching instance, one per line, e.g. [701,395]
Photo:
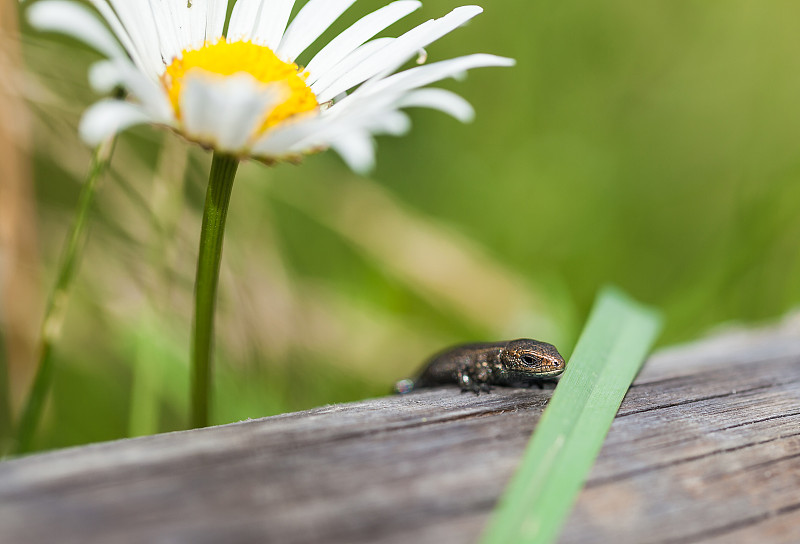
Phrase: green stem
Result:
[147,383]
[220,183]
[57,304]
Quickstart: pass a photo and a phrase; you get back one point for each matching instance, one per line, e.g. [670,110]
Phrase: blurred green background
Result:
[653,145]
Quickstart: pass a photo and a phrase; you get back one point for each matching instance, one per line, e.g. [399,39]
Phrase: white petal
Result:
[377,116]
[121,34]
[181,19]
[313,132]
[391,122]
[181,25]
[215,19]
[243,19]
[108,117]
[323,130]
[283,140]
[224,112]
[393,56]
[315,17]
[319,87]
[197,15]
[137,18]
[425,75]
[272,23]
[439,99]
[357,150]
[405,49]
[181,29]
[171,38]
[347,42]
[105,75]
[75,21]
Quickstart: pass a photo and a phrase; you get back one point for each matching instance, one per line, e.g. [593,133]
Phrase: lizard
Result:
[477,367]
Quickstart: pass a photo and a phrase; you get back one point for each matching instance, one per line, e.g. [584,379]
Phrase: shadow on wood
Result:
[705,448]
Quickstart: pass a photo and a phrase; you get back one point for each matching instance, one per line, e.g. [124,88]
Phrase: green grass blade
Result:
[609,354]
[56,309]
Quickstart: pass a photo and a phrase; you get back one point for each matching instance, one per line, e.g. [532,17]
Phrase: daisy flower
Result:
[241,91]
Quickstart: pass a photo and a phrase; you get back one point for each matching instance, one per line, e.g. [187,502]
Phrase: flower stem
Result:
[220,183]
[57,304]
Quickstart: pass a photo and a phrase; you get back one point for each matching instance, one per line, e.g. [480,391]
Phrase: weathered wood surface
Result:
[706,448]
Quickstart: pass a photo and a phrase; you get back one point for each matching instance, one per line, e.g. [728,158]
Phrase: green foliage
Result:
[650,144]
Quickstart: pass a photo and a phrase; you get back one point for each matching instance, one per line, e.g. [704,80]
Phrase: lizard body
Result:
[476,367]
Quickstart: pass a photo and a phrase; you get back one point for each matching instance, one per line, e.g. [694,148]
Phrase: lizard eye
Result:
[528,360]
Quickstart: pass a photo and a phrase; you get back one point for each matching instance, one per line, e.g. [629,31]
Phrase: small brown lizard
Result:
[476,367]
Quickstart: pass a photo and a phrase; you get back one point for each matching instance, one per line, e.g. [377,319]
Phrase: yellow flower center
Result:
[226,59]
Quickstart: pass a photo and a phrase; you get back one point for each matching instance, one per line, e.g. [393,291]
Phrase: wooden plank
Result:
[706,448]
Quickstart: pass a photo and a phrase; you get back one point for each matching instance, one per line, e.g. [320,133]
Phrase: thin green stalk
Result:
[147,383]
[569,436]
[144,404]
[57,304]
[220,183]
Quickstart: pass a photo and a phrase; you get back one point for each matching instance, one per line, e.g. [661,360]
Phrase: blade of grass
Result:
[147,382]
[609,354]
[57,305]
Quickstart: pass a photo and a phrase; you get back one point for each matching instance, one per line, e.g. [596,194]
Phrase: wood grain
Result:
[705,448]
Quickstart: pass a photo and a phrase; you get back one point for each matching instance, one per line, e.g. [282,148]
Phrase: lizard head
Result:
[532,359]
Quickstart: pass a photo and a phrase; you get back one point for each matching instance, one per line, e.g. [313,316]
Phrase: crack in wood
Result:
[597,482]
[694,437]
[723,530]
[759,466]
[707,397]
